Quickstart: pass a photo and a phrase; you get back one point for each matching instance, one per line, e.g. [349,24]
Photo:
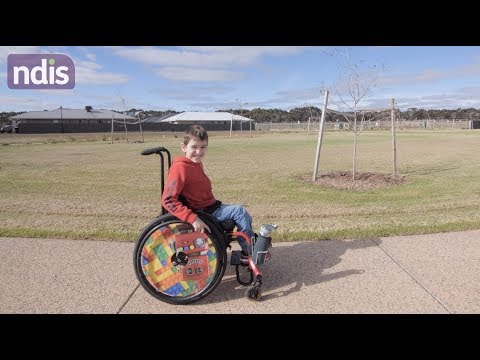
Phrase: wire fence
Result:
[367,125]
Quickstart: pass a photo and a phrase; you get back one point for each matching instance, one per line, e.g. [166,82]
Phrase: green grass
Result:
[81,186]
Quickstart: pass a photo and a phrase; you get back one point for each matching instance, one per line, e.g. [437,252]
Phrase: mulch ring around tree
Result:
[342,180]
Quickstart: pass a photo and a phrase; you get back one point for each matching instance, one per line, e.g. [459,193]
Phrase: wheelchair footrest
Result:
[235,257]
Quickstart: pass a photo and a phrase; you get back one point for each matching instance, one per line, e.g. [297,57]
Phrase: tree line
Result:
[302,114]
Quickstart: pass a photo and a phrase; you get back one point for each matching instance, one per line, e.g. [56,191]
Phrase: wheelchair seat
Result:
[227,225]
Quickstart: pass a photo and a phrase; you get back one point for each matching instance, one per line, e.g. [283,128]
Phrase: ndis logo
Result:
[40,71]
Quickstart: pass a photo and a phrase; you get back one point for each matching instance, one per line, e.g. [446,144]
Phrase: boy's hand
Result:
[200,226]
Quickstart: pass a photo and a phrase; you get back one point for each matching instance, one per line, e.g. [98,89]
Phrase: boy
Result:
[188,188]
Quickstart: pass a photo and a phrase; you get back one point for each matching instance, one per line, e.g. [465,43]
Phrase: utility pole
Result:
[111,131]
[124,121]
[61,117]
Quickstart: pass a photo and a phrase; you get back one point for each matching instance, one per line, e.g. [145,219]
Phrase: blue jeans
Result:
[242,219]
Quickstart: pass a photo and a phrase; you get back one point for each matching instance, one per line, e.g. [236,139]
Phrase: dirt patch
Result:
[343,180]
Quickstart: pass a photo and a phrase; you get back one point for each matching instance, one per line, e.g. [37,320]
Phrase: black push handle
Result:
[155,150]
[158,150]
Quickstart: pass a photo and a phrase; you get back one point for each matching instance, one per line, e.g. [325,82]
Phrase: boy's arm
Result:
[170,196]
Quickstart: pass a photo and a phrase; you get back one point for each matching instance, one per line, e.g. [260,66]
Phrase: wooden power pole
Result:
[320,136]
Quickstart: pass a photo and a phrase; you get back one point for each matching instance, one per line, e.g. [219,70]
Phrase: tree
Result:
[356,82]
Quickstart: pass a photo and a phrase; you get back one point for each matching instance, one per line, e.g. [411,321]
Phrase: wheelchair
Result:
[177,265]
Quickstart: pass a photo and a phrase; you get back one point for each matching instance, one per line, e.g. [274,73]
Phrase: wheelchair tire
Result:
[155,250]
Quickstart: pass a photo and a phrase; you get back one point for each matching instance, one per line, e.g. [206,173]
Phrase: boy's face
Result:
[195,150]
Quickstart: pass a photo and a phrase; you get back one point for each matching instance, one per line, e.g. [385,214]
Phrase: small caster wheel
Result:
[253,293]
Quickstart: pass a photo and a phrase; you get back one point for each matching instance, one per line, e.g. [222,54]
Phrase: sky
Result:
[211,78]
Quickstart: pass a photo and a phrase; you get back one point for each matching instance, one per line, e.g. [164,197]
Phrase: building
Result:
[215,121]
[64,120]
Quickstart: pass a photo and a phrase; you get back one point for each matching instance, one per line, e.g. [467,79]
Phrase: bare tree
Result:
[124,121]
[124,111]
[429,121]
[356,81]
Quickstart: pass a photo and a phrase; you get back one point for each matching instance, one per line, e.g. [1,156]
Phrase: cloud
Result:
[197,93]
[203,63]
[176,73]
[33,103]
[204,57]
[422,77]
[7,50]
[89,72]
[431,75]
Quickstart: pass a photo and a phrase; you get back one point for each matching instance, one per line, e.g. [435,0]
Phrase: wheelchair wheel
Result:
[163,269]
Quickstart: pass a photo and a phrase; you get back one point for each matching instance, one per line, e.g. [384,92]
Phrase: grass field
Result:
[81,186]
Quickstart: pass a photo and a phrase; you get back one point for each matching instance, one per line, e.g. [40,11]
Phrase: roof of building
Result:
[156,119]
[63,113]
[189,116]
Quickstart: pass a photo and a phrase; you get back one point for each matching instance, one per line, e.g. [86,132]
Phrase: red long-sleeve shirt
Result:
[187,181]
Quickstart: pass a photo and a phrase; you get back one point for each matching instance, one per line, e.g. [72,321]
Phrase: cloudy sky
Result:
[222,77]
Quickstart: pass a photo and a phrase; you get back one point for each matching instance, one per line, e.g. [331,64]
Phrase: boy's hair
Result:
[195,131]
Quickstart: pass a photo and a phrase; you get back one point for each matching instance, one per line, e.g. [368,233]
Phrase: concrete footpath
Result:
[422,274]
